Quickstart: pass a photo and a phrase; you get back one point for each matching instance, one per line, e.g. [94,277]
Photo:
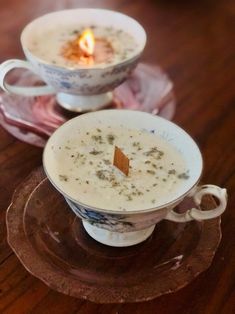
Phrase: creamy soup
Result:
[49,46]
[85,170]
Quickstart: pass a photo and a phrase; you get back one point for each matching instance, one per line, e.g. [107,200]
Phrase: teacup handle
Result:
[9,65]
[197,214]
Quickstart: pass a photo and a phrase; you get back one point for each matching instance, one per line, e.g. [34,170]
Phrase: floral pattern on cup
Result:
[111,222]
[116,222]
[84,81]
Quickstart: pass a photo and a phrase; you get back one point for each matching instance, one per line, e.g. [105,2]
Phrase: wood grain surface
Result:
[194,42]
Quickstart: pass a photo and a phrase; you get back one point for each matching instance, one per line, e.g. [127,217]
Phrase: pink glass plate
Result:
[33,119]
[52,245]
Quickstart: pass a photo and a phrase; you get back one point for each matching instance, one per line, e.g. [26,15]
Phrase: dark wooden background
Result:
[194,42]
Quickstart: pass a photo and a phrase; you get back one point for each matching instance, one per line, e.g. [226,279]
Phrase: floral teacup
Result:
[122,227]
[82,88]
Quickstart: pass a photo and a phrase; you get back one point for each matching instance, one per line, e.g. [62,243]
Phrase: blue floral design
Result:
[107,221]
[65,85]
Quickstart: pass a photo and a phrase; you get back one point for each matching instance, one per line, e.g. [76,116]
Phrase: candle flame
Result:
[86,42]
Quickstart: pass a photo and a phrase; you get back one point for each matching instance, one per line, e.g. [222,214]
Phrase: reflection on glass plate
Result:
[33,119]
[51,243]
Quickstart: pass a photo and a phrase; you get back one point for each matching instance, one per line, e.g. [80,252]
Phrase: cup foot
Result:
[117,239]
[83,103]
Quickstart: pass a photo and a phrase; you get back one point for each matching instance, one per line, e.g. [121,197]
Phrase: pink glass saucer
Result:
[33,119]
[51,243]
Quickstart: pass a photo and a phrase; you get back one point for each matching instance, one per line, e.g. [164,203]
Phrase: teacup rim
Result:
[127,212]
[83,67]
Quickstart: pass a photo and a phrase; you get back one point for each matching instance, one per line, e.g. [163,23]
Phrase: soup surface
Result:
[84,170]
[49,45]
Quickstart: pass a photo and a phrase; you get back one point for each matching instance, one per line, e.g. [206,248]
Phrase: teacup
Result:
[82,88]
[122,227]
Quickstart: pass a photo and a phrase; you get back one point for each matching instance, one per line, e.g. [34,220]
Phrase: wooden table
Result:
[194,42]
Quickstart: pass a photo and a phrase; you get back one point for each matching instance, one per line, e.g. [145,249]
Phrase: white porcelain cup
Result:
[81,88]
[122,227]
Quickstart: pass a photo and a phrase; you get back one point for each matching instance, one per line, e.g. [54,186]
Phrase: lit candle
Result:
[71,42]
[87,50]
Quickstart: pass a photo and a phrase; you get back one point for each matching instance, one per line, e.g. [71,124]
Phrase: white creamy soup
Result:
[49,45]
[85,170]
